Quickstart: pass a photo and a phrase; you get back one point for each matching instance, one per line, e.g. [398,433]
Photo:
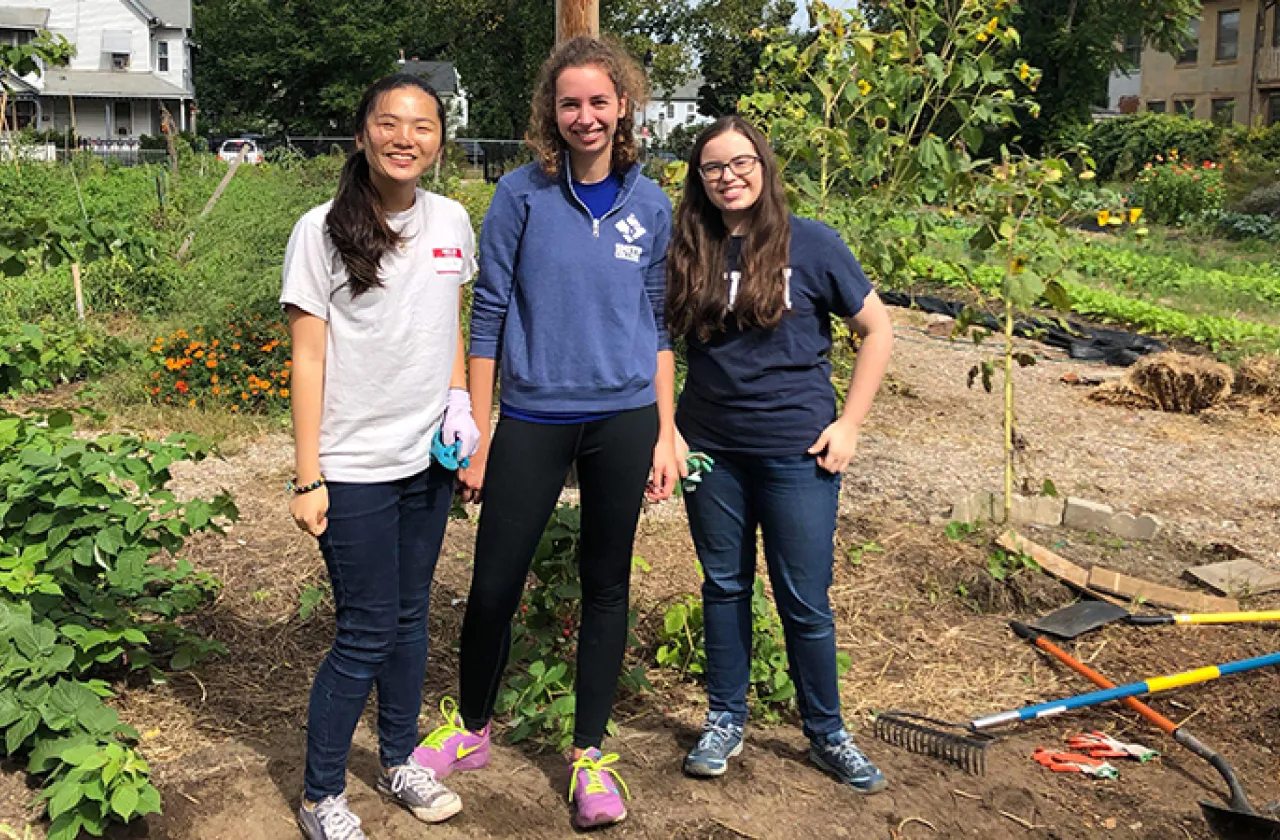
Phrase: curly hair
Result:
[628,81]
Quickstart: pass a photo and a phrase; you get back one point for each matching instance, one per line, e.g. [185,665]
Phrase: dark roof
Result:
[439,74]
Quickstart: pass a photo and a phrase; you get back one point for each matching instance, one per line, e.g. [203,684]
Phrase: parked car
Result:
[231,149]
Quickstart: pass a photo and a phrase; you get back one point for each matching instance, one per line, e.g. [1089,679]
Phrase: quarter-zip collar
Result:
[629,180]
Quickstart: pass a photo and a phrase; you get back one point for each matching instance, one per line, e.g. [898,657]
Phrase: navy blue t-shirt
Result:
[600,196]
[768,392]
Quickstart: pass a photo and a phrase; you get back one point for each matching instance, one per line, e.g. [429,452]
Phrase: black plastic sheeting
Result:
[1088,344]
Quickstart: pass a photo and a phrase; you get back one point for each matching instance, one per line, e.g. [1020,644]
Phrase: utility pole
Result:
[577,17]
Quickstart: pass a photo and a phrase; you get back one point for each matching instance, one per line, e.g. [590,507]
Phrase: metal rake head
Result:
[923,735]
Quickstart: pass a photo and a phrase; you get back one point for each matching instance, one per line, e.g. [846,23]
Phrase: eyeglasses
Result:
[742,166]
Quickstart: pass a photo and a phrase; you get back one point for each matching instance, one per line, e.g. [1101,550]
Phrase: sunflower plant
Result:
[874,122]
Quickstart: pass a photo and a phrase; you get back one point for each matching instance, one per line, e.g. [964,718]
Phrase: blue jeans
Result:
[793,502]
[380,549]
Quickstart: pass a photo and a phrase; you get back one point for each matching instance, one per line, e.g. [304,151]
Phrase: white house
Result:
[132,56]
[444,78]
[669,109]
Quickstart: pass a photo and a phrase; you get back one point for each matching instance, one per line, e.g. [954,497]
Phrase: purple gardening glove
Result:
[458,424]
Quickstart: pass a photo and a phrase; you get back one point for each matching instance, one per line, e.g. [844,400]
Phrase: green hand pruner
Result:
[697,463]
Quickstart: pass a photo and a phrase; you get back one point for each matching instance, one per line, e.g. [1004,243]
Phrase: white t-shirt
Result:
[390,351]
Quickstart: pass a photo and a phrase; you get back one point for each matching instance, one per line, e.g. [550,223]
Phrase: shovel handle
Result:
[1204,618]
[1167,726]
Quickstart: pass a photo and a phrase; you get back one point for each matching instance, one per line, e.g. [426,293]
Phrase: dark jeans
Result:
[380,549]
[528,463]
[793,501]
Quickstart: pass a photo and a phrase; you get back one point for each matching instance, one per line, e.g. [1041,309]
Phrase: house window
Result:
[1133,51]
[1223,110]
[1191,50]
[15,37]
[162,56]
[1184,107]
[1228,36]
[1273,109]
[1275,27]
[1157,107]
[119,61]
[671,110]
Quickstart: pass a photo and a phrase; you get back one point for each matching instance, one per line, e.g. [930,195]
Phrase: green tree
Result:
[726,36]
[658,35]
[1078,43]
[298,66]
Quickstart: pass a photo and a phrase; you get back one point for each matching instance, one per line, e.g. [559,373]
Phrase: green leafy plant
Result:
[33,358]
[872,123]
[1018,206]
[683,649]
[310,598]
[538,697]
[90,587]
[1172,191]
[1002,565]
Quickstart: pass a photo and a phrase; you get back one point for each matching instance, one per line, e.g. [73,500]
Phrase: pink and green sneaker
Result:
[593,792]
[451,746]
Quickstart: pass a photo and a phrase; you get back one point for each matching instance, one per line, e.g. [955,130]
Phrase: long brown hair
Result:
[629,83]
[357,222]
[697,294]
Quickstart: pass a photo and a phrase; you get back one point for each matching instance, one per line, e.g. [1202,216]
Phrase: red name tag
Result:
[447,260]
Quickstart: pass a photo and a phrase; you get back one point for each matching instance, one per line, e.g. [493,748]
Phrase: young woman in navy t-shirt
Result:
[752,289]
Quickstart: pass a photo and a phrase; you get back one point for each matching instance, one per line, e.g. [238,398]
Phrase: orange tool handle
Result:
[1167,726]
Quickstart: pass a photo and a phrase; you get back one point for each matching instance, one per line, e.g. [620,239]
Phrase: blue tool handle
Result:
[1151,686]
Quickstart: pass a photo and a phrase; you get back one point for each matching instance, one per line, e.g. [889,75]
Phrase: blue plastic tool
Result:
[447,456]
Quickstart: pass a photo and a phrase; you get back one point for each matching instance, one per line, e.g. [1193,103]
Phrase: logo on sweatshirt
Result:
[630,253]
[630,228]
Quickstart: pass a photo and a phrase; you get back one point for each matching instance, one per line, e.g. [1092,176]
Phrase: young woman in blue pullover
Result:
[569,309]
[752,290]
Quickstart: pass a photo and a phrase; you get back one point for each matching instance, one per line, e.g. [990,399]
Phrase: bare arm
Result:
[483,373]
[836,445]
[309,336]
[666,469]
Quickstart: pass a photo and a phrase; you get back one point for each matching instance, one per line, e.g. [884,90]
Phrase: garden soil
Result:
[921,617]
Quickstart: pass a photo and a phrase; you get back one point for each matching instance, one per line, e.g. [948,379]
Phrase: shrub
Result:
[1238,226]
[32,358]
[242,365]
[84,595]
[1170,190]
[1264,200]
[1123,146]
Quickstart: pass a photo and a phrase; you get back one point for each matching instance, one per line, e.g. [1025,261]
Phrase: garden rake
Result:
[965,744]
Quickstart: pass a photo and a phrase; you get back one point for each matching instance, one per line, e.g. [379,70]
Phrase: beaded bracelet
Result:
[305,488]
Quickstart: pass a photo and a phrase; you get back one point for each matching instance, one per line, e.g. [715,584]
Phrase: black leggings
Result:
[528,463]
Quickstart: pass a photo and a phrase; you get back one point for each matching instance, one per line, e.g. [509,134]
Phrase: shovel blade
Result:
[1079,618]
[1237,825]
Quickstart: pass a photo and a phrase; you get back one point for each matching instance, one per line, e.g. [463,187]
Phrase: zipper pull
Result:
[595,228]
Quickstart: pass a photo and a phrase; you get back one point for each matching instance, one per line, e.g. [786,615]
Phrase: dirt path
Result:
[922,620]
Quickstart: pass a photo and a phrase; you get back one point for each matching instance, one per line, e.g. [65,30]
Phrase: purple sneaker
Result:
[452,746]
[595,797]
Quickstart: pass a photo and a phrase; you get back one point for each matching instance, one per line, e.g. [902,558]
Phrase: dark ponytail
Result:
[357,222]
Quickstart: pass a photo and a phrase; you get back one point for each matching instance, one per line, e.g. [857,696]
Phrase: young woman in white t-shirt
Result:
[372,287]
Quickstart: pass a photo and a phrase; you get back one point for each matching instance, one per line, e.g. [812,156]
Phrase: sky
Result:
[801,19]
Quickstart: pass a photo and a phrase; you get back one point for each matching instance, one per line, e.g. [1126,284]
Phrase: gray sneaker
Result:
[331,819]
[416,788]
[721,740]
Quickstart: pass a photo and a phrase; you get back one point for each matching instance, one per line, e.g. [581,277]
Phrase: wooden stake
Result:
[75,281]
[167,126]
[577,17]
[213,199]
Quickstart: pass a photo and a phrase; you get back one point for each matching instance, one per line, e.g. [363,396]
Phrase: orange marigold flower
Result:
[191,403]
[235,346]
[214,343]
[235,408]
[216,390]
[243,395]
[181,386]
[284,392]
[214,379]
[212,363]
[199,354]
